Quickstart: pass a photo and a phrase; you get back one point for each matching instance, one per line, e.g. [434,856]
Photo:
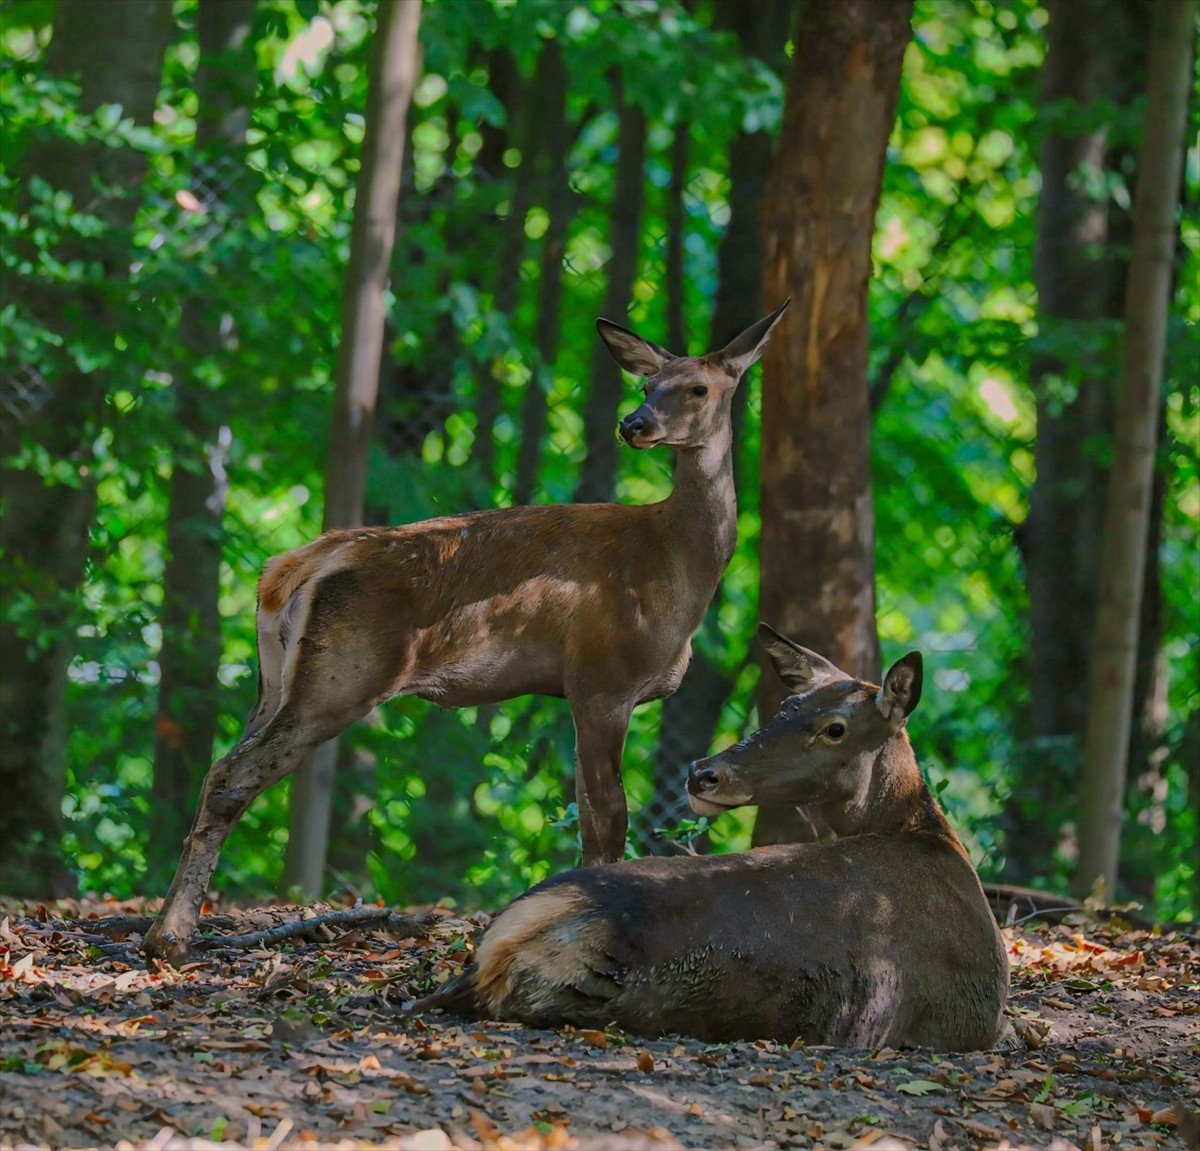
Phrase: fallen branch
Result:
[130,924]
[382,917]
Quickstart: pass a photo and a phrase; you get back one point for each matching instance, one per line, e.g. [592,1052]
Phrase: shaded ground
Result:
[300,1043]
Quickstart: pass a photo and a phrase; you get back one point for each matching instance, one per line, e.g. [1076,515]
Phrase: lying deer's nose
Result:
[702,778]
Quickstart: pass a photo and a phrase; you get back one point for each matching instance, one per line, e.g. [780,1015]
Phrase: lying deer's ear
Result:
[800,669]
[635,355]
[901,691]
[742,352]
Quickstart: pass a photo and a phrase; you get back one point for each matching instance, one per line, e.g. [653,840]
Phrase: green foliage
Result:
[463,803]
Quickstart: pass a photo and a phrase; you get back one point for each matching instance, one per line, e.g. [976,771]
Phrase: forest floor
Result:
[301,1043]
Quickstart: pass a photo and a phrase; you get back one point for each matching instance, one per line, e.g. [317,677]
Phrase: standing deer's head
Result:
[686,397]
[823,743]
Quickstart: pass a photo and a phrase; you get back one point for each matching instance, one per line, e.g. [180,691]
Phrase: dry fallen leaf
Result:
[1042,1115]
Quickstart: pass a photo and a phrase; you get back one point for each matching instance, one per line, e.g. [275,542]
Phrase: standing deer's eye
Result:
[835,730]
[700,390]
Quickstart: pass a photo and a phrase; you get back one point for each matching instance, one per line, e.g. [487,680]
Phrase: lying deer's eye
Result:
[699,390]
[835,730]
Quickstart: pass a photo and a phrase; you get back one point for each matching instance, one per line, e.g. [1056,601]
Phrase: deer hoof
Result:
[165,946]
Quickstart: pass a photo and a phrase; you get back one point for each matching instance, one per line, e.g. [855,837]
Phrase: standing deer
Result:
[594,602]
[882,936]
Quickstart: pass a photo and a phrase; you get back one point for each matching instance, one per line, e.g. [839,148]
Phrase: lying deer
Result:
[882,936]
[594,602]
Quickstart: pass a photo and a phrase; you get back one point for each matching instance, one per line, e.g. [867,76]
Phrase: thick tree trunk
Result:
[116,53]
[599,474]
[393,76]
[818,523]
[188,703]
[1078,284]
[1126,522]
[561,205]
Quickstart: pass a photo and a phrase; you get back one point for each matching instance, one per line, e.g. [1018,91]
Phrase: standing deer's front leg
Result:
[601,724]
[231,785]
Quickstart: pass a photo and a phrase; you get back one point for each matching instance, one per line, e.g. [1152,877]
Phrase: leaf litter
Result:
[301,1043]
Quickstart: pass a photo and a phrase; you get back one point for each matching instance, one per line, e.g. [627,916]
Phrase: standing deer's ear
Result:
[743,351]
[800,669]
[635,355]
[901,691]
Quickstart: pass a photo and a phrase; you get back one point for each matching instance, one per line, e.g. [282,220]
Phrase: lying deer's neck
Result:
[703,502]
[894,798]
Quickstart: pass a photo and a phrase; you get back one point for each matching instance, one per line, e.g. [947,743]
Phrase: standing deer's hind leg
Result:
[231,785]
[601,724]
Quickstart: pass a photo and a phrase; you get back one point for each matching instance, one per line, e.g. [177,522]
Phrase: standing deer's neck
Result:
[893,798]
[703,502]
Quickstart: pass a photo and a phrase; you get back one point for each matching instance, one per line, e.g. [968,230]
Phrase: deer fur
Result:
[880,937]
[594,602]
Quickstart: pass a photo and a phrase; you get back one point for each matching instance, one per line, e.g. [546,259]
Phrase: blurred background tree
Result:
[175,231]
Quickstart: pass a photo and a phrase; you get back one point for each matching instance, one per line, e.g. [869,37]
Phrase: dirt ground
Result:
[300,1043]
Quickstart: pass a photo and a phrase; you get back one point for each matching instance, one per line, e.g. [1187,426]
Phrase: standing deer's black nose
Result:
[633,424]
[702,778]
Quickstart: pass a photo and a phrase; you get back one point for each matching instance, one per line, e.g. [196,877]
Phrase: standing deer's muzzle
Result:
[640,429]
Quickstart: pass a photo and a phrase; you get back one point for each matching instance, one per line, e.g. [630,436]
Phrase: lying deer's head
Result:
[823,742]
[687,397]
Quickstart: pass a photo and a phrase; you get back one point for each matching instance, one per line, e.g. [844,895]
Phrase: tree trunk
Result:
[1078,283]
[676,219]
[598,478]
[393,76]
[190,656]
[818,522]
[1126,521]
[116,53]
[561,205]
[690,716]
[507,296]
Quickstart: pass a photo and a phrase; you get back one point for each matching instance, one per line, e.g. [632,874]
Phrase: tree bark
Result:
[561,205]
[1126,521]
[393,77]
[690,716]
[1078,282]
[598,477]
[818,525]
[513,246]
[116,53]
[188,704]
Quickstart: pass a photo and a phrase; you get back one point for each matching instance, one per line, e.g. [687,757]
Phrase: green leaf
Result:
[919,1087]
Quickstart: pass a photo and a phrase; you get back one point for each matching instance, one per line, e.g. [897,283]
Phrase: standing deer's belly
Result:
[660,686]
[493,669]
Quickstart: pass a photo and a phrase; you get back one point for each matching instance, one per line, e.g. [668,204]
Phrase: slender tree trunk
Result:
[513,246]
[116,54]
[690,716]
[818,522]
[1078,282]
[393,76]
[561,205]
[188,704]
[599,475]
[1126,522]
[676,217]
